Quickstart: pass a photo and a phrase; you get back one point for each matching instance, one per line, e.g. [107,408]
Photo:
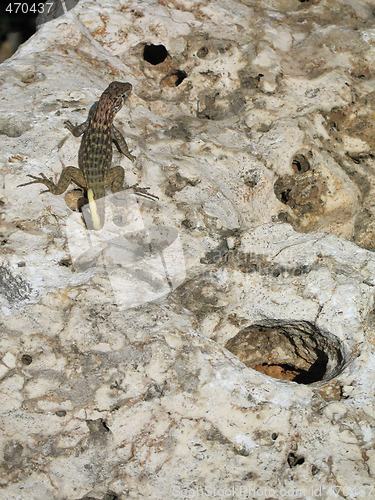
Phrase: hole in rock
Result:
[296,351]
[26,359]
[249,475]
[300,163]
[154,54]
[180,77]
[293,460]
[284,198]
[202,52]
[314,470]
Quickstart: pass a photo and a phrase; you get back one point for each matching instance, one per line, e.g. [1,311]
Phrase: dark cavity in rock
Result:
[155,54]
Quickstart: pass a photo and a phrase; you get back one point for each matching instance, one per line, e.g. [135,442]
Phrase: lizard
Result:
[95,172]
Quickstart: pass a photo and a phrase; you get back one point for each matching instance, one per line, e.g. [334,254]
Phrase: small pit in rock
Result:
[180,77]
[300,163]
[296,351]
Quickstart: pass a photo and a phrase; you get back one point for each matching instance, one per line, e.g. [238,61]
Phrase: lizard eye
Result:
[119,102]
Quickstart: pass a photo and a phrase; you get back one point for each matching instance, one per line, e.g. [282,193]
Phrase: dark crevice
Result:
[105,426]
[313,374]
[285,196]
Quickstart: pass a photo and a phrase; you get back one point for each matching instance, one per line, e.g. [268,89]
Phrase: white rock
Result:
[256,134]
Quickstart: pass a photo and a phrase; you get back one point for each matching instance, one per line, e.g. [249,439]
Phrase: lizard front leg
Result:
[77,130]
[120,143]
[68,175]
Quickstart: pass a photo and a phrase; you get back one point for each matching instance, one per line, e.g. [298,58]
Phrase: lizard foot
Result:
[42,179]
[131,157]
[69,125]
[143,192]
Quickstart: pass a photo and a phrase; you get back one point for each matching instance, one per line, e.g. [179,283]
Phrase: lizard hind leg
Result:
[68,175]
[115,179]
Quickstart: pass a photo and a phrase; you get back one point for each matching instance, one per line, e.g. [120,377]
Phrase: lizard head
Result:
[117,93]
[110,102]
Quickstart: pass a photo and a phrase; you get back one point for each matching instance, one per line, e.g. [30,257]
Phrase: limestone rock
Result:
[220,341]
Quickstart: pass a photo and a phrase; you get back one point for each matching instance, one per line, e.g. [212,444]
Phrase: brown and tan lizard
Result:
[95,173]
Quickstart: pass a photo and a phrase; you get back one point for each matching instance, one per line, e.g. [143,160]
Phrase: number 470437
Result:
[24,8]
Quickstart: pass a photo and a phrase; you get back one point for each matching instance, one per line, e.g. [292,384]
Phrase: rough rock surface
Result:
[253,377]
